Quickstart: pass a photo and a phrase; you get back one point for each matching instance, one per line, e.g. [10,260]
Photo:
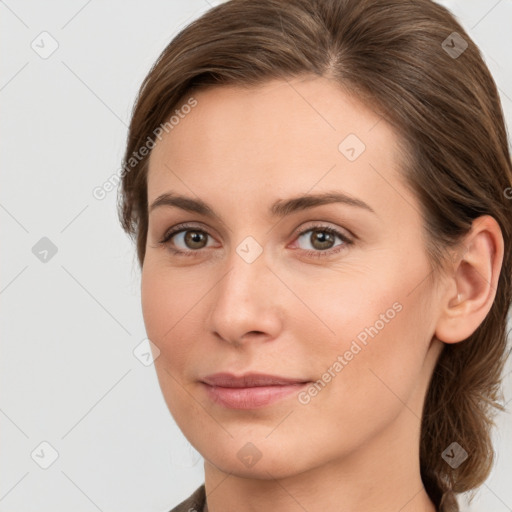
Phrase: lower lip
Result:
[251,398]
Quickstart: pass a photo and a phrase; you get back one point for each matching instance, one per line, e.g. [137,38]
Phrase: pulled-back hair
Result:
[402,58]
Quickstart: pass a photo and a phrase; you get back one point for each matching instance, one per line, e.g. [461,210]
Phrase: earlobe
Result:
[472,287]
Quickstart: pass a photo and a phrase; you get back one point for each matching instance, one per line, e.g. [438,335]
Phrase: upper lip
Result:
[248,380]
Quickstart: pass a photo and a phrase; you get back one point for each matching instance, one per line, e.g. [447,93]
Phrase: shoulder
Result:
[194,503]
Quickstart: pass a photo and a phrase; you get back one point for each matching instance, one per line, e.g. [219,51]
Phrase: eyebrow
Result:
[280,208]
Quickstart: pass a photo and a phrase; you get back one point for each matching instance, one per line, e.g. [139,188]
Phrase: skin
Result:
[355,445]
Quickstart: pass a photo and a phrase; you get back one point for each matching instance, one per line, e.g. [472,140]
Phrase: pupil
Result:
[194,237]
[322,237]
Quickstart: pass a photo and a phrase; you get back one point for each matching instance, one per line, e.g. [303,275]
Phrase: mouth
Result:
[250,391]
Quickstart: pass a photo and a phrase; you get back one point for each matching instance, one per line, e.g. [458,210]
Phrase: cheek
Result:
[154,302]
[369,390]
[383,360]
[170,308]
[376,325]
[164,299]
[344,308]
[161,308]
[165,316]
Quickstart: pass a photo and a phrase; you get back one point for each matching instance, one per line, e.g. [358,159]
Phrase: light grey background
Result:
[69,376]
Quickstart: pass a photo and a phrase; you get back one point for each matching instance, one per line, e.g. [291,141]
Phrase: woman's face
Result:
[260,286]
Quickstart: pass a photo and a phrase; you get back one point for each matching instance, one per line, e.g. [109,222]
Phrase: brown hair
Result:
[397,56]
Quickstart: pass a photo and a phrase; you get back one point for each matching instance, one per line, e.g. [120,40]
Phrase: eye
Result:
[322,238]
[191,238]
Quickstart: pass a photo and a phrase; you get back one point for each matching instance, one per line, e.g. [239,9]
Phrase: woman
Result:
[319,191]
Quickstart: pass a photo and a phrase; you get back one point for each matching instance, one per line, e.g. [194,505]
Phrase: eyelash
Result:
[327,229]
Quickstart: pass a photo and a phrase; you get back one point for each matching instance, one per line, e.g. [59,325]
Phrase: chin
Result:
[254,456]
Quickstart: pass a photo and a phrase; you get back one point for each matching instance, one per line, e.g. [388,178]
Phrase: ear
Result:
[471,290]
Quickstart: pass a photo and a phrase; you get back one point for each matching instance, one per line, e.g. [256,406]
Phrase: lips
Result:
[249,380]
[249,391]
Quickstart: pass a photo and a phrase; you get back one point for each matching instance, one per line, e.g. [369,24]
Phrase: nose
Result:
[245,302]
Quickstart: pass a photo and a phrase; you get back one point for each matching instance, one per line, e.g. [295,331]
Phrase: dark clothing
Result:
[194,503]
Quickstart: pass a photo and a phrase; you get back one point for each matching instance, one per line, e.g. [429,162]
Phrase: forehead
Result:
[281,137]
